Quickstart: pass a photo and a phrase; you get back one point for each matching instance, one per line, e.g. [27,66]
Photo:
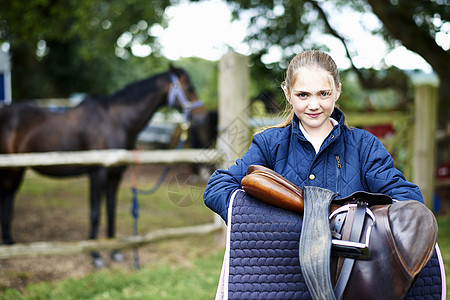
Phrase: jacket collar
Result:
[337,114]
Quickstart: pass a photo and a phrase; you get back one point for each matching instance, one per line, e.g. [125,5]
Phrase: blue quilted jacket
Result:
[349,160]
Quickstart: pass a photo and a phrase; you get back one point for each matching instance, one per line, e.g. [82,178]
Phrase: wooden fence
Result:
[87,246]
[108,158]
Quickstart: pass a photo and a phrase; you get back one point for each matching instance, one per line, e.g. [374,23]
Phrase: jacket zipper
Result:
[338,174]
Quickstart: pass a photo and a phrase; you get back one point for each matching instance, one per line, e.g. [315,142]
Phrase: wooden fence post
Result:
[234,133]
[424,158]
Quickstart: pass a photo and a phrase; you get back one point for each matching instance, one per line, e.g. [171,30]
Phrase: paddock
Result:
[109,158]
[234,135]
[57,217]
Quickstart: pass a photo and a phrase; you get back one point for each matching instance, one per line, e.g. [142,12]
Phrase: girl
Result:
[313,146]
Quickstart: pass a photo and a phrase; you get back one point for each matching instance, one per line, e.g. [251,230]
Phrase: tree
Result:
[59,47]
[288,24]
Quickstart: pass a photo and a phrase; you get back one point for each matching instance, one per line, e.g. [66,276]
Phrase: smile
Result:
[314,116]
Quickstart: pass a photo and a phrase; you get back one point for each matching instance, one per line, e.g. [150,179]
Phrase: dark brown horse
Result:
[97,123]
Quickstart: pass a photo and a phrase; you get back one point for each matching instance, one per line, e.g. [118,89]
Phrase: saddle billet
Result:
[399,242]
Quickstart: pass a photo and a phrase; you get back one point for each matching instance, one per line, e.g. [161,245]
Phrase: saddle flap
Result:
[414,230]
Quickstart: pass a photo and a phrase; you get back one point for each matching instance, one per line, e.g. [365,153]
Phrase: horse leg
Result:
[9,184]
[114,178]
[6,216]
[97,186]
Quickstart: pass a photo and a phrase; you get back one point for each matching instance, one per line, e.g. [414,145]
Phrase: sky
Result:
[206,30]
[202,29]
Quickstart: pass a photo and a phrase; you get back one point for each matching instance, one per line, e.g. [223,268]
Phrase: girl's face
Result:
[312,96]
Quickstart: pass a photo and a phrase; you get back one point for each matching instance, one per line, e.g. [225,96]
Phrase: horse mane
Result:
[131,92]
[135,90]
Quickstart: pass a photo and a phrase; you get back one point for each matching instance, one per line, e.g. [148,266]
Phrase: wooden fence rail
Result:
[67,248]
[109,158]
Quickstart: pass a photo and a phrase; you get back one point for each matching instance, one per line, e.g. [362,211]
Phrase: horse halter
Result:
[177,93]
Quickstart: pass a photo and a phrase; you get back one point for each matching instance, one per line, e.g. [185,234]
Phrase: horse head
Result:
[182,93]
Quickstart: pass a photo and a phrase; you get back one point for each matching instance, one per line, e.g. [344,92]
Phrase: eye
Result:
[325,93]
[302,95]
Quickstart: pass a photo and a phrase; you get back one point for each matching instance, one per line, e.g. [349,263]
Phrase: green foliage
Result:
[65,46]
[291,24]
[96,25]
[355,97]
[61,47]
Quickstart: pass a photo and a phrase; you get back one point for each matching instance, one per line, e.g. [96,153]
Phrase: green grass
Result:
[198,281]
[444,245]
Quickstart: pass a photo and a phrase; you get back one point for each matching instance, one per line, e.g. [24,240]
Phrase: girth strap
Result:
[315,242]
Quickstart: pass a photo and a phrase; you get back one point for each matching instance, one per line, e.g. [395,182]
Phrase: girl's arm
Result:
[223,183]
[381,176]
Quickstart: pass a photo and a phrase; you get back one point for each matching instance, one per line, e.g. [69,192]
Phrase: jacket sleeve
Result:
[223,183]
[381,176]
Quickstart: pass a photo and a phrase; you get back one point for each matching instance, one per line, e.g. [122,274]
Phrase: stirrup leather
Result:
[349,248]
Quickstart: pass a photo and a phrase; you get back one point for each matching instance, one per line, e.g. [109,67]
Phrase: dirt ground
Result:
[39,223]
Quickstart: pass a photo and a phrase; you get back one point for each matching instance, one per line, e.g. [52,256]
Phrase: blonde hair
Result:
[310,58]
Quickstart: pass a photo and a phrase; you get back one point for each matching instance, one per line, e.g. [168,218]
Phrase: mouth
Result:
[313,116]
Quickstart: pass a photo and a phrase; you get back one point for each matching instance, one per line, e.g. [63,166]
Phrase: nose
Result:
[313,103]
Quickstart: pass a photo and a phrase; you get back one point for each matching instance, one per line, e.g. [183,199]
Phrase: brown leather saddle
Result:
[378,246]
